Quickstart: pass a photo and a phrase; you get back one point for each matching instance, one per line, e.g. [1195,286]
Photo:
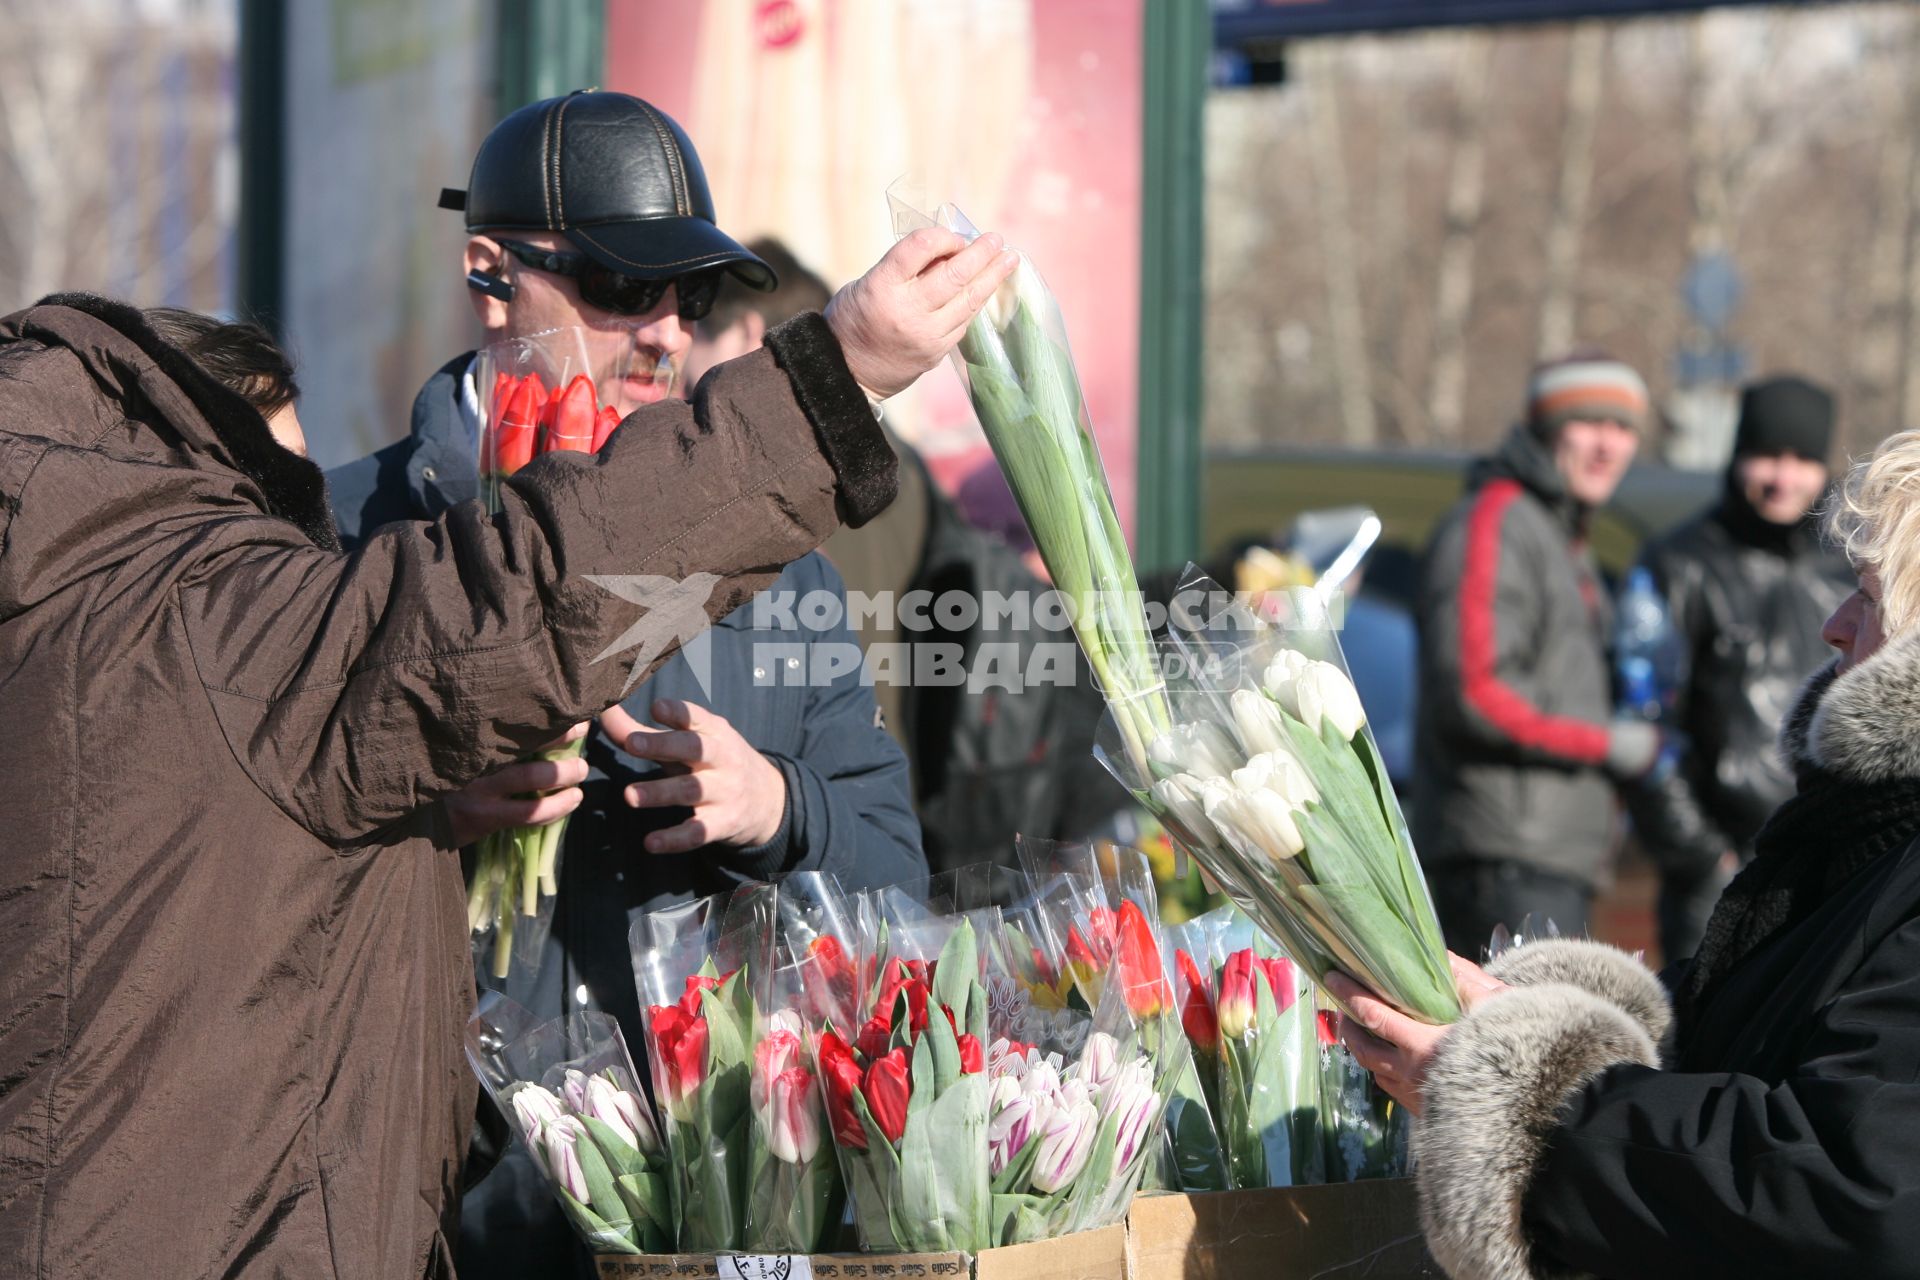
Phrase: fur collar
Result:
[1863,726]
[293,488]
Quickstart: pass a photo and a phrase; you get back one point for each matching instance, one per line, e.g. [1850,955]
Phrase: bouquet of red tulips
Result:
[907,1091]
[693,967]
[1291,1105]
[1198,1155]
[568,1089]
[560,391]
[1271,1038]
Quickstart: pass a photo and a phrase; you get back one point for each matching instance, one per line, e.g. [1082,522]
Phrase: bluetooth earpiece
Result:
[492,286]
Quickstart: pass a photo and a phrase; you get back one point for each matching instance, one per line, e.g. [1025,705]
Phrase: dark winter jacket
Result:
[1748,600]
[1515,695]
[1782,1137]
[234,967]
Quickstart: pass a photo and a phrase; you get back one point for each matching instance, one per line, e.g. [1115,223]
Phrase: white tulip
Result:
[1099,1059]
[1258,721]
[536,1109]
[1281,773]
[1201,749]
[1325,693]
[1289,779]
[1217,798]
[1282,672]
[1180,797]
[1253,775]
[1270,820]
[1256,819]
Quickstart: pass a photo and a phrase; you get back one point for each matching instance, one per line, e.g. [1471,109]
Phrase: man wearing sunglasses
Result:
[592,210]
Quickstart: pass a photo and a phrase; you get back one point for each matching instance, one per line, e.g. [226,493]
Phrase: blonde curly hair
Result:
[1875,519]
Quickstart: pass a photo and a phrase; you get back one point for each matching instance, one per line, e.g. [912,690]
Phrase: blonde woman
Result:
[1766,1121]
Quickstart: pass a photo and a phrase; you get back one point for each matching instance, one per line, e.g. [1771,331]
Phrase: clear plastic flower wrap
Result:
[692,967]
[905,1079]
[1366,1133]
[1026,392]
[1097,908]
[1272,1043]
[1270,778]
[558,391]
[795,1196]
[569,1090]
[1198,1159]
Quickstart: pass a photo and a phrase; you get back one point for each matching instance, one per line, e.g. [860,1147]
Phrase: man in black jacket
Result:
[1748,583]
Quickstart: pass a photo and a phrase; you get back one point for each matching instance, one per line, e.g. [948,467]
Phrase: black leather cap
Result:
[615,174]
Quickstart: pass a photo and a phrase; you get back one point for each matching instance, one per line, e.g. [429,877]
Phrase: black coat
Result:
[1748,600]
[1783,1137]
[1786,1140]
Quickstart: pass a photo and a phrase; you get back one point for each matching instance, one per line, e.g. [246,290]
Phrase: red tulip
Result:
[911,977]
[829,979]
[514,430]
[1197,1017]
[680,1042]
[872,1041]
[1044,968]
[1090,952]
[1100,923]
[603,424]
[973,1059]
[1144,981]
[1234,1013]
[503,385]
[841,1076]
[690,1000]
[1329,1034]
[887,1089]
[1283,980]
[898,974]
[573,412]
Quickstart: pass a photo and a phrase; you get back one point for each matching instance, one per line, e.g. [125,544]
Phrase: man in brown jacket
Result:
[233,951]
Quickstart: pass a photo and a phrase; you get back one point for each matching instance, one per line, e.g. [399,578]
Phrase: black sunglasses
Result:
[623,294]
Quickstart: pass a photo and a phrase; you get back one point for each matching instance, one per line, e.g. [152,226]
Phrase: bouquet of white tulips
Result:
[1272,780]
[568,1088]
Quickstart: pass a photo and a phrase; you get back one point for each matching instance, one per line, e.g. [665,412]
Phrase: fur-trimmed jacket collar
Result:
[1862,725]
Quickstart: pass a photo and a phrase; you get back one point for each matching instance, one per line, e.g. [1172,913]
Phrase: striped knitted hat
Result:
[1587,385]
